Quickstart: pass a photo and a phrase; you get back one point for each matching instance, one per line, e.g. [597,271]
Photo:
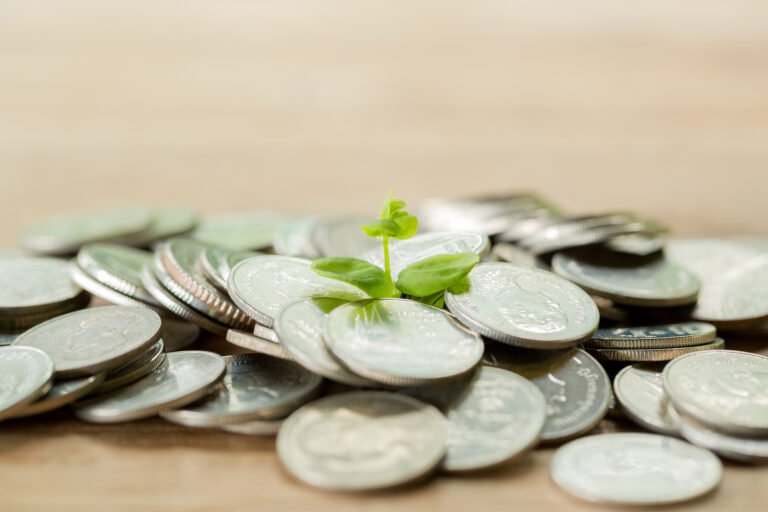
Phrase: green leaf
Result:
[362,274]
[435,274]
[436,299]
[380,228]
[406,225]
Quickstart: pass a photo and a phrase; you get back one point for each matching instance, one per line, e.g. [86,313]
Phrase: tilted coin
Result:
[254,387]
[300,330]
[576,387]
[362,440]
[651,355]
[401,342]
[94,340]
[26,373]
[255,427]
[723,389]
[217,263]
[117,267]
[247,340]
[65,234]
[523,306]
[104,292]
[266,333]
[31,285]
[654,336]
[342,237]
[294,238]
[178,334]
[499,417]
[262,286]
[635,469]
[628,280]
[242,231]
[134,370]
[62,392]
[183,378]
[640,391]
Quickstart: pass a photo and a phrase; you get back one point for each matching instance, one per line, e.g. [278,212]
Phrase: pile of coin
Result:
[566,319]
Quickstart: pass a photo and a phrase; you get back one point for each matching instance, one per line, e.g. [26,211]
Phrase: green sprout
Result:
[425,280]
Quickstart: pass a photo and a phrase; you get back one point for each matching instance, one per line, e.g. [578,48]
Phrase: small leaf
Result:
[434,274]
[436,299]
[362,274]
[406,225]
[380,227]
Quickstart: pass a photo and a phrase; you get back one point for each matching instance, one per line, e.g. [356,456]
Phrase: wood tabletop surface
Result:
[322,107]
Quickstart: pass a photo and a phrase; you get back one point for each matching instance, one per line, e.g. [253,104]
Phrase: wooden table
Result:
[302,106]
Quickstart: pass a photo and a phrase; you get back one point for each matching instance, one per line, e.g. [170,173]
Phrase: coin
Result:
[183,378]
[500,416]
[639,245]
[342,237]
[294,238]
[26,374]
[167,223]
[94,340]
[650,282]
[651,354]
[134,370]
[242,231]
[361,441]
[654,336]
[117,267]
[523,306]
[262,286]
[723,389]
[401,342]
[18,323]
[217,263]
[576,387]
[635,469]
[104,292]
[62,392]
[640,391]
[255,427]
[66,233]
[255,387]
[178,334]
[510,253]
[247,340]
[35,285]
[300,330]
[265,333]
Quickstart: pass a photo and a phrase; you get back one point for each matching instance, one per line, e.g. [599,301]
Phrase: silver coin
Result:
[25,374]
[262,286]
[724,389]
[294,238]
[19,323]
[255,427]
[300,330]
[104,292]
[525,307]
[34,285]
[183,378]
[510,253]
[733,278]
[134,370]
[500,416]
[265,333]
[65,234]
[342,237]
[654,336]
[405,252]
[635,469]
[489,216]
[63,392]
[255,387]
[576,387]
[117,267]
[94,340]
[401,342]
[639,245]
[168,223]
[178,334]
[217,264]
[651,355]
[640,391]
[362,440]
[657,282]
[247,340]
[242,231]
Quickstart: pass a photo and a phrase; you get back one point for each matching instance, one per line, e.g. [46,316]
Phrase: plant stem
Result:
[387,267]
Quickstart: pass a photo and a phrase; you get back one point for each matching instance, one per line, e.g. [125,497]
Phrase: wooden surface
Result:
[658,107]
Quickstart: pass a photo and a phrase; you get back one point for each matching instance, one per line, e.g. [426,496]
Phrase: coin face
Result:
[635,469]
[262,286]
[724,389]
[93,340]
[118,267]
[32,285]
[254,387]
[183,377]
[640,391]
[654,336]
[576,387]
[25,374]
[524,306]
[300,330]
[628,280]
[62,392]
[499,417]
[362,440]
[242,231]
[400,342]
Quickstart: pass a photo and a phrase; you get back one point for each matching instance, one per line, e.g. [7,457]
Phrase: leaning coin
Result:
[117,267]
[576,387]
[640,391]
[94,340]
[105,293]
[26,374]
[300,330]
[255,427]
[134,370]
[247,340]
[217,264]
[262,286]
[401,342]
[654,336]
[523,306]
[499,417]
[31,285]
[651,355]
[635,469]
[723,389]
[62,392]
[241,231]
[362,441]
[182,378]
[254,387]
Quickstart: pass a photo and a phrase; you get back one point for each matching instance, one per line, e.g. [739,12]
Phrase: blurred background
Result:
[657,107]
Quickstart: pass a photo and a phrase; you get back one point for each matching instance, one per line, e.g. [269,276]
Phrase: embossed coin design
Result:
[523,306]
[640,391]
[361,441]
[25,374]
